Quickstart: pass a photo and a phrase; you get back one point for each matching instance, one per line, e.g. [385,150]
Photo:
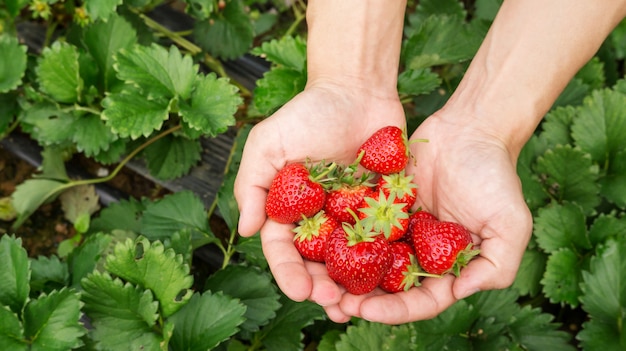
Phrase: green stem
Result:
[10,129]
[299,11]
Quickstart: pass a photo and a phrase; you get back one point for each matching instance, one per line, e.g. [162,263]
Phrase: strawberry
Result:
[413,217]
[346,191]
[293,194]
[403,273]
[401,184]
[312,234]
[384,215]
[386,151]
[357,258]
[442,247]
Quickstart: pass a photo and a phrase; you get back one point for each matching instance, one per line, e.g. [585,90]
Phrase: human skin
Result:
[466,173]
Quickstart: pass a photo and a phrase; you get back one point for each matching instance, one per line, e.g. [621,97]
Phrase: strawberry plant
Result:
[114,82]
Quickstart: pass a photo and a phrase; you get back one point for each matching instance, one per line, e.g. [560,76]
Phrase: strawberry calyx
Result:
[400,183]
[462,259]
[309,227]
[413,273]
[383,213]
[358,232]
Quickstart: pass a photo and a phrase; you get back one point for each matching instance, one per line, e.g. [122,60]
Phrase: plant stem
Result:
[300,14]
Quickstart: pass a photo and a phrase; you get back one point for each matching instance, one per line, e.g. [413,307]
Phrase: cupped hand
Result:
[466,175]
[326,122]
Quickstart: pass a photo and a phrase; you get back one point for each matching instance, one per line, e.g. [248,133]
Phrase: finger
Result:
[285,261]
[420,303]
[325,291]
[336,315]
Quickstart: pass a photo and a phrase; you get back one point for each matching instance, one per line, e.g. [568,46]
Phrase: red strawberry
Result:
[442,247]
[413,217]
[403,272]
[357,258]
[343,198]
[384,215]
[401,184]
[386,151]
[294,194]
[312,235]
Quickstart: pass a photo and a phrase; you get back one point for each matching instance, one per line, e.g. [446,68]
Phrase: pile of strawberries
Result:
[361,224]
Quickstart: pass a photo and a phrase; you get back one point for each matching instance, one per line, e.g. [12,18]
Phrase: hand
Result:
[325,122]
[465,175]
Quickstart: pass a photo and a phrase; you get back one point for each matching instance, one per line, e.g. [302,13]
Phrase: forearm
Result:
[531,52]
[355,42]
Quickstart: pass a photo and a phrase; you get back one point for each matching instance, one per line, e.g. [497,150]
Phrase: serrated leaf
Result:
[12,63]
[123,315]
[259,294]
[569,175]
[606,226]
[11,332]
[132,115]
[561,226]
[124,214]
[530,272]
[103,40]
[604,297]
[555,127]
[213,104]
[599,126]
[49,124]
[14,273]
[288,52]
[562,277]
[613,184]
[440,39]
[534,194]
[593,73]
[206,321]
[33,193]
[175,212]
[103,9]
[365,336]
[226,202]
[277,87]
[445,330]
[226,35]
[58,72]
[285,331]
[418,81]
[533,330]
[171,157]
[47,274]
[91,135]
[152,267]
[573,94]
[157,71]
[252,251]
[84,259]
[52,322]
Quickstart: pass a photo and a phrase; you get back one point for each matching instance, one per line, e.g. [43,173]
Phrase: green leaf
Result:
[592,74]
[124,214]
[530,272]
[12,63]
[50,125]
[252,251]
[15,6]
[487,9]
[14,273]
[562,277]
[123,316]
[205,321]
[604,297]
[213,105]
[561,226]
[33,193]
[606,226]
[556,126]
[440,39]
[103,40]
[534,194]
[52,322]
[288,52]
[9,108]
[175,212]
[570,175]
[226,35]
[91,135]
[171,157]
[285,331]
[201,9]
[53,163]
[418,81]
[599,126]
[365,336]
[103,9]
[613,185]
[277,87]
[85,258]
[47,274]
[11,332]
[156,71]
[533,330]
[130,114]
[259,294]
[58,72]
[152,267]
[445,331]
[618,39]
[226,202]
